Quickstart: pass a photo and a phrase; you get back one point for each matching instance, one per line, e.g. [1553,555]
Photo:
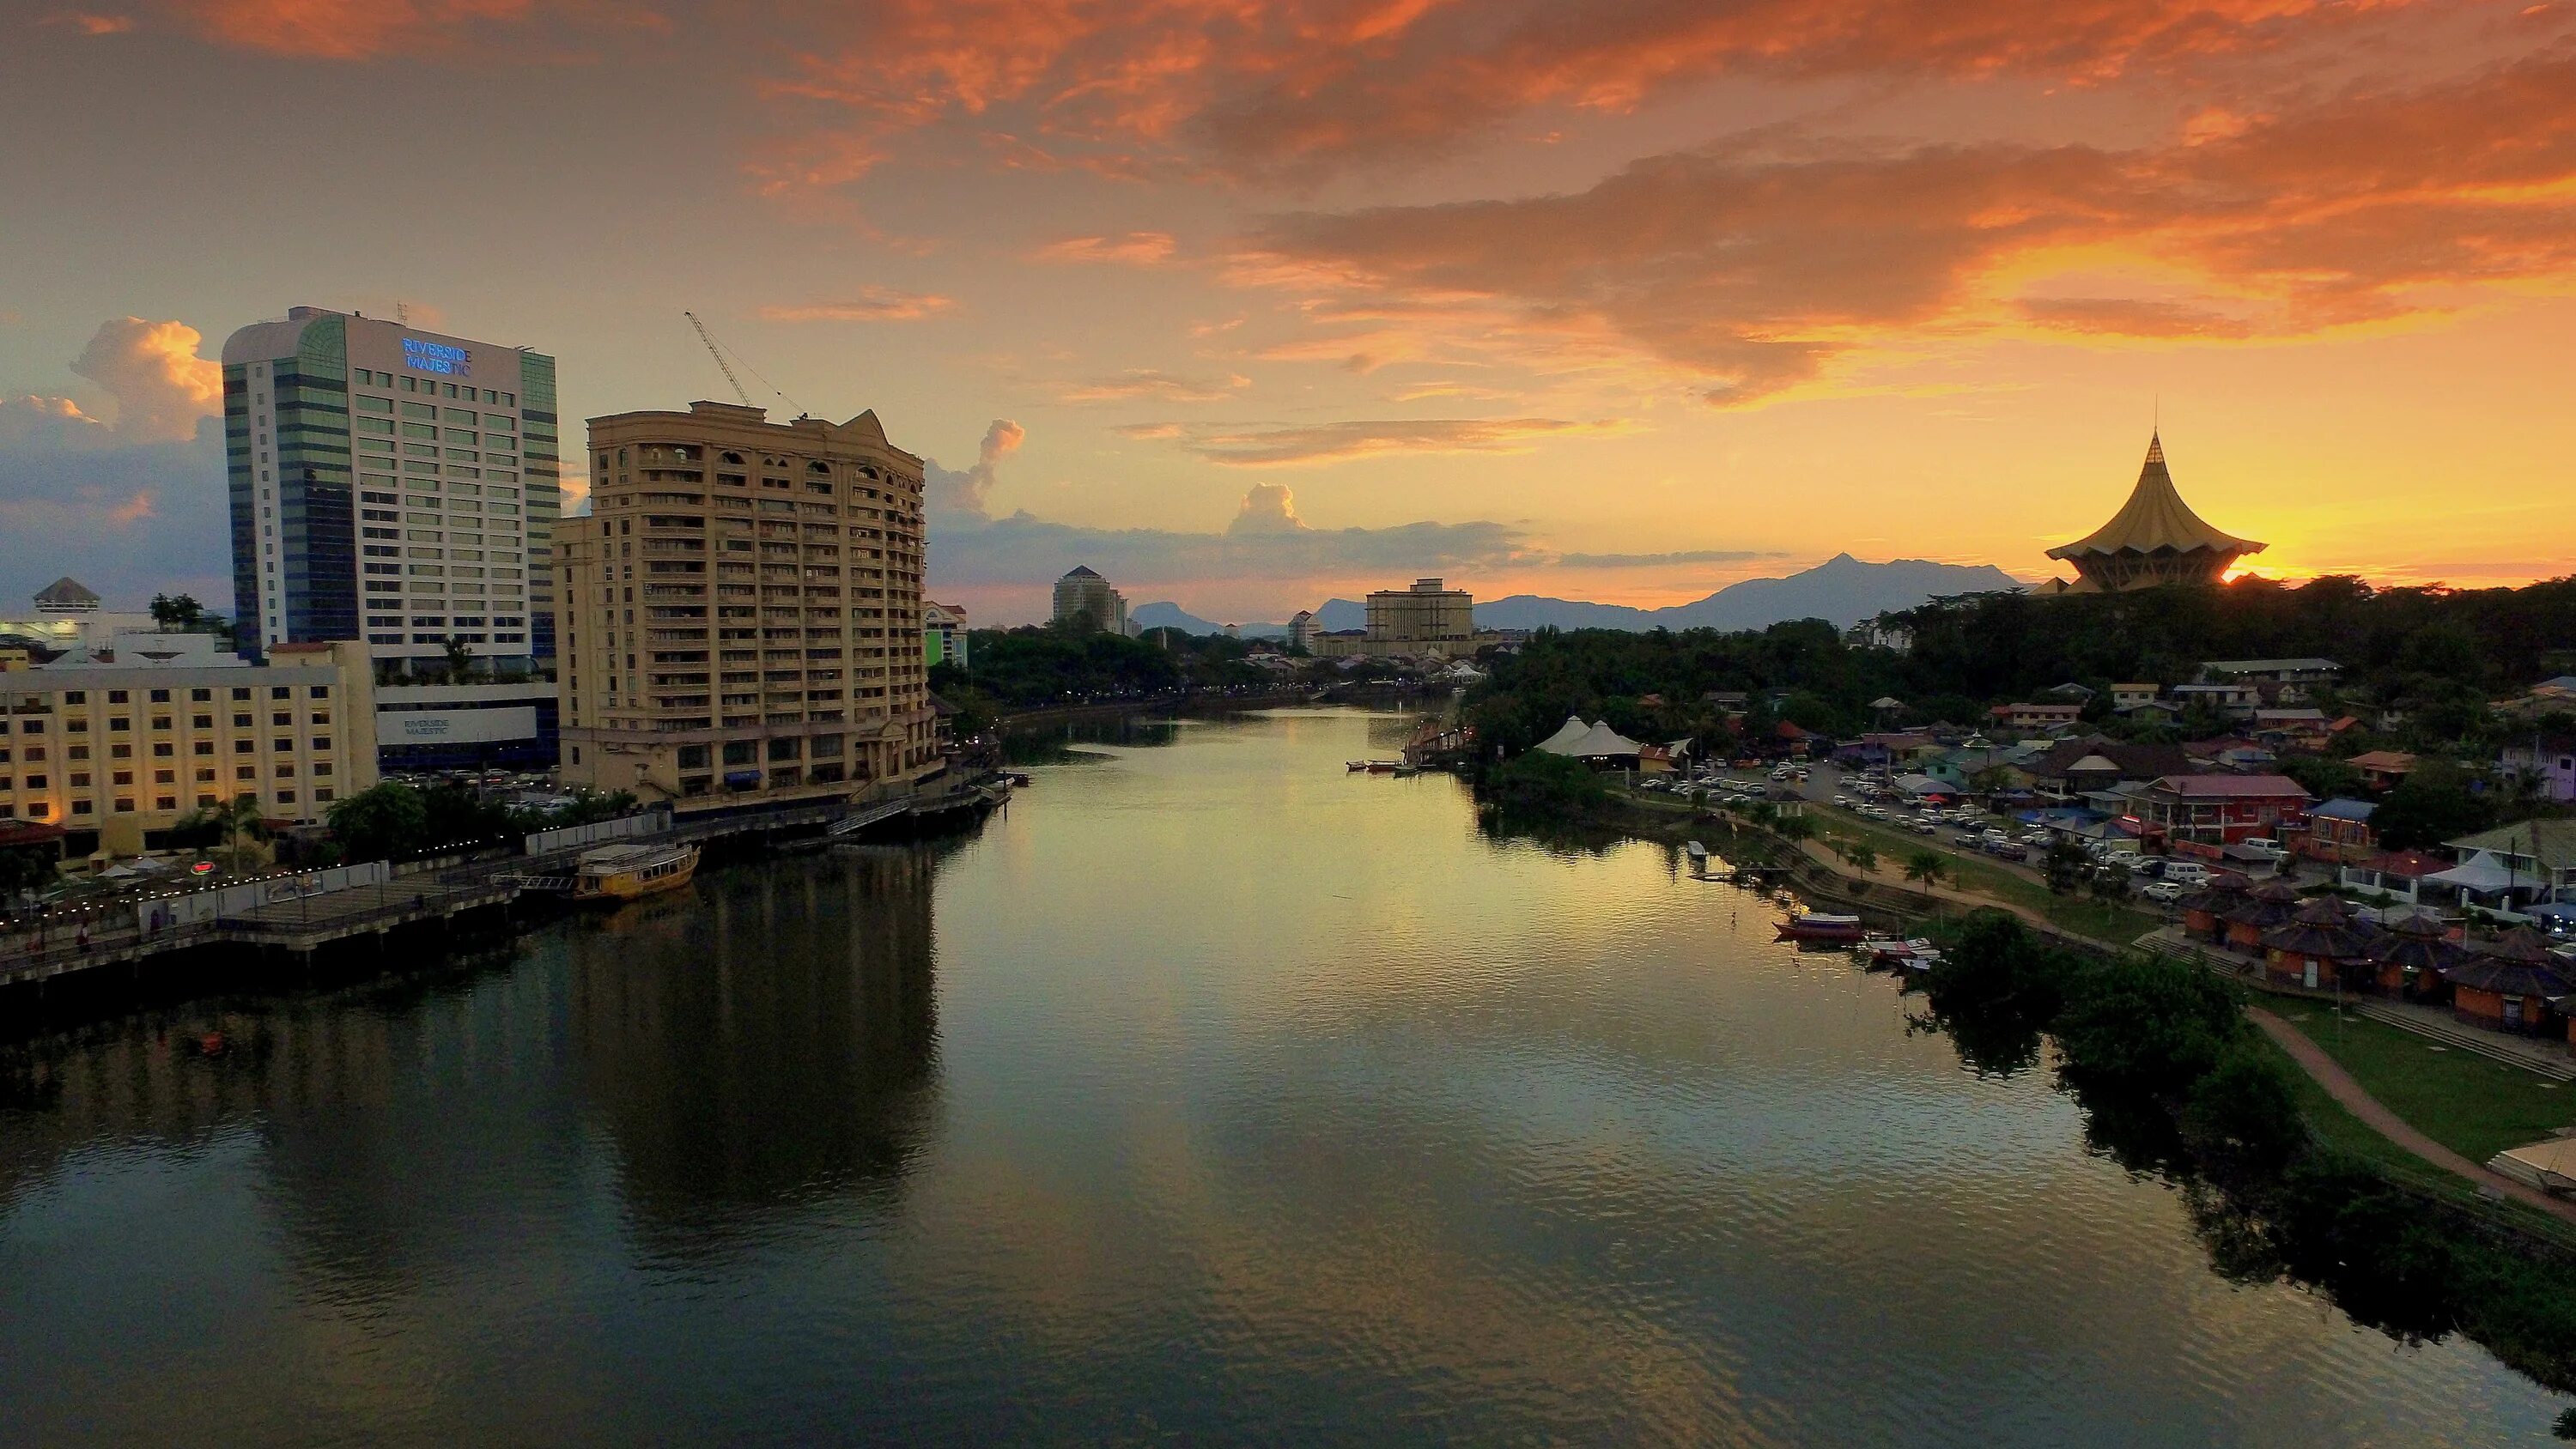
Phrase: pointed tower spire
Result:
[2156,449]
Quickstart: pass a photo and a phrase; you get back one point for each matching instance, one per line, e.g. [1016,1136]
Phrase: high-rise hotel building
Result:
[391,485]
[742,611]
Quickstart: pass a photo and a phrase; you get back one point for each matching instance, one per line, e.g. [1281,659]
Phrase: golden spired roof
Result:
[2155,517]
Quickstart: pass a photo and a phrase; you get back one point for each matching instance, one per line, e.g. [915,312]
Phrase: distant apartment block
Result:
[1084,596]
[943,634]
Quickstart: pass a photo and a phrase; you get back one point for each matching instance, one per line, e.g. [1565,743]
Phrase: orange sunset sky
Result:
[1247,303]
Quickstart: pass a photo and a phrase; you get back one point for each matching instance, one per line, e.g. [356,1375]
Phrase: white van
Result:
[2186,872]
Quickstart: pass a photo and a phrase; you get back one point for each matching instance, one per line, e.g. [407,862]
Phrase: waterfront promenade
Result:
[300,913]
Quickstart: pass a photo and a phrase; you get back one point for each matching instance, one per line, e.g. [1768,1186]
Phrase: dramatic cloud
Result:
[49,422]
[1317,443]
[1750,270]
[1267,508]
[1145,382]
[959,493]
[1020,550]
[873,304]
[161,386]
[1133,249]
[129,504]
[1255,86]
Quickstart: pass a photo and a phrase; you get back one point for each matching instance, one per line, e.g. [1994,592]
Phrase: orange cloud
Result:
[89,24]
[1135,249]
[1144,382]
[873,304]
[162,387]
[1317,443]
[1750,270]
[132,510]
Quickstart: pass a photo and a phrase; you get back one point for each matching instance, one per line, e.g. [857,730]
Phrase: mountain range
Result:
[1842,591]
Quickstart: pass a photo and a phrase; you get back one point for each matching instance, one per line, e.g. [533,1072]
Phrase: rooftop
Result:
[2155,517]
[2232,787]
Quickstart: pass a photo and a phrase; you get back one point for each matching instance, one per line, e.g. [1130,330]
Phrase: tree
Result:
[23,869]
[381,822]
[2431,805]
[181,612]
[240,822]
[1861,858]
[1928,867]
[1794,828]
[2067,866]
[460,660]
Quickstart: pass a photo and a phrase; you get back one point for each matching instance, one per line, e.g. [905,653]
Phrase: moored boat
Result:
[629,872]
[1819,926]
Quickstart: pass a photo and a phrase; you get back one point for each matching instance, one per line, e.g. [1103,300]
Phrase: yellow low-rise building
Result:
[126,747]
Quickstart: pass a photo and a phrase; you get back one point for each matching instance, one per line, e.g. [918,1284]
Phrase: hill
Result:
[1842,591]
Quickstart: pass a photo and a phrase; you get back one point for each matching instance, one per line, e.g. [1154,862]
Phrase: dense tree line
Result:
[2175,1082]
[393,821]
[2435,657]
[1039,665]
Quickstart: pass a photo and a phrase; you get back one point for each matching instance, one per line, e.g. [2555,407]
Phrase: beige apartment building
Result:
[1428,618]
[120,742]
[742,611]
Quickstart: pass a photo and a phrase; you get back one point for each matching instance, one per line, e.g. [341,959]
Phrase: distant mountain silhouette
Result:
[1842,591]
[1173,616]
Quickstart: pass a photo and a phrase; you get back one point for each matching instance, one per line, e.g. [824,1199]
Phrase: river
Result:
[1209,1094]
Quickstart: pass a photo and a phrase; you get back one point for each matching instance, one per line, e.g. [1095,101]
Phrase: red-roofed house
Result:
[2203,814]
[2382,769]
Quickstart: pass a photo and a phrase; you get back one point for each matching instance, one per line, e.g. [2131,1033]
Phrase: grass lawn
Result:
[2474,1106]
[2342,1130]
[2102,920]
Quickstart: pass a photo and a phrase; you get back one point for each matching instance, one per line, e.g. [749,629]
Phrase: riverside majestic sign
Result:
[439,357]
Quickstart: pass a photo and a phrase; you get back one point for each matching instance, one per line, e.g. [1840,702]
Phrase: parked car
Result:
[2163,892]
[2186,873]
[2263,846]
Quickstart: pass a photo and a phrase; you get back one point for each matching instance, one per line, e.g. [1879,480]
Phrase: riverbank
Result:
[2457,1111]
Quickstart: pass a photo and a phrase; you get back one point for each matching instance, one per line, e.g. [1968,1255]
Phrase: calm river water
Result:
[1212,1094]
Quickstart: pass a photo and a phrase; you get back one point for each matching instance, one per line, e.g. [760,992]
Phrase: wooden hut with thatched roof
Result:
[2413,956]
[2325,943]
[2204,911]
[2266,907]
[2511,984]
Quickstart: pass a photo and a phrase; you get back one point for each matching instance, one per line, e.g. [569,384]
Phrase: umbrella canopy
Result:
[2417,941]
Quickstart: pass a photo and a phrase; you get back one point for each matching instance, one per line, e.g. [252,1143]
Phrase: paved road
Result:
[2339,1083]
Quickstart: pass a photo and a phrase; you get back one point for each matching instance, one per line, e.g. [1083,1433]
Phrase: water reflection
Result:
[763,1044]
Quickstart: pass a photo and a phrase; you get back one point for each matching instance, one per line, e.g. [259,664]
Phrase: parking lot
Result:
[2011,844]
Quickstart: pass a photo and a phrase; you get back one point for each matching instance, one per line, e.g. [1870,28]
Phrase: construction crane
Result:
[718,353]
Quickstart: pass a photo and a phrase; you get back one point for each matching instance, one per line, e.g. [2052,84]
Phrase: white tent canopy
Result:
[1562,742]
[2481,873]
[1602,740]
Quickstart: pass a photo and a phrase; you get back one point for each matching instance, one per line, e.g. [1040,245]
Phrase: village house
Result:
[2284,681]
[2395,877]
[2514,867]
[2549,763]
[2236,701]
[2037,716]
[2203,814]
[2508,985]
[2384,769]
[2126,697]
[2093,764]
[2339,832]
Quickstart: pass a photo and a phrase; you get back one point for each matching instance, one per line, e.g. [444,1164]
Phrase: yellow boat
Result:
[628,872]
